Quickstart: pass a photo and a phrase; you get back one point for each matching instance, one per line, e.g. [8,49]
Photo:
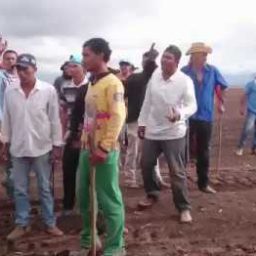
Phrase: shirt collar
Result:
[38,86]
[206,67]
[171,78]
[95,79]
[85,81]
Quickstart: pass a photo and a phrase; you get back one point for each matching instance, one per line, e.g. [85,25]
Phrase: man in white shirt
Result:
[31,126]
[169,102]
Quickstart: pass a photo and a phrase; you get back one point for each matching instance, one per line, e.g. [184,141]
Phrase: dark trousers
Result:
[200,137]
[174,152]
[69,164]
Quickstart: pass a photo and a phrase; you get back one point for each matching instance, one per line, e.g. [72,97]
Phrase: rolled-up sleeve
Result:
[220,80]
[54,117]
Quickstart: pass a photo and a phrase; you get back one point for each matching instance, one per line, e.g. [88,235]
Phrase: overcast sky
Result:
[54,29]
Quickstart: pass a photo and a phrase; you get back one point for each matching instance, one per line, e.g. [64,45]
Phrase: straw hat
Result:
[199,47]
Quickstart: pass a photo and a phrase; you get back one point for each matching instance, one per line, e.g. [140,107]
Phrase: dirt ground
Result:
[224,224]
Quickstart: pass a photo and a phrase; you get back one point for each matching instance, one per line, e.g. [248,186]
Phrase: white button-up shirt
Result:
[162,95]
[31,125]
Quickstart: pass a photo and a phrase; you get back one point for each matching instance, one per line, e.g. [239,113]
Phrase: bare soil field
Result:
[224,224]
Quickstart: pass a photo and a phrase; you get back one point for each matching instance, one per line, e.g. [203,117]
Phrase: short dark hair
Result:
[175,51]
[98,46]
[10,51]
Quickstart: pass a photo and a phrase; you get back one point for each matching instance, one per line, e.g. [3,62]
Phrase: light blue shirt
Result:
[250,90]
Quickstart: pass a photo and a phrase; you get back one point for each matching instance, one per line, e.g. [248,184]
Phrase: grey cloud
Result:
[67,18]
[53,29]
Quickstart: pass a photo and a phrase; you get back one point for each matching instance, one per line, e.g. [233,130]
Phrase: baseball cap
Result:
[26,60]
[76,59]
[125,63]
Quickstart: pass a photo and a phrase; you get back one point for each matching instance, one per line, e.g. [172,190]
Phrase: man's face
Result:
[26,74]
[199,58]
[91,60]
[168,62]
[9,61]
[125,70]
[75,70]
[67,71]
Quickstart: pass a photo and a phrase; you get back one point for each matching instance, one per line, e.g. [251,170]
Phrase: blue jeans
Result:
[249,125]
[21,168]
[9,178]
[8,183]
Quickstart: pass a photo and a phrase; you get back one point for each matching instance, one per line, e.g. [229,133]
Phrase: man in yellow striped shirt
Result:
[103,120]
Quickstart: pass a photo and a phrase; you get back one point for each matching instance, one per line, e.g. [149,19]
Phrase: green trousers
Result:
[109,200]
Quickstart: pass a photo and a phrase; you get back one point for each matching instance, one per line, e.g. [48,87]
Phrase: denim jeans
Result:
[9,178]
[21,168]
[249,125]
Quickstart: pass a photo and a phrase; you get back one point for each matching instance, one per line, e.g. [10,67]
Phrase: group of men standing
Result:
[163,104]
[169,107]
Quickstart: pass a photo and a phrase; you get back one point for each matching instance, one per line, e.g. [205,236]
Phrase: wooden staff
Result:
[219,143]
[219,126]
[93,210]
[93,193]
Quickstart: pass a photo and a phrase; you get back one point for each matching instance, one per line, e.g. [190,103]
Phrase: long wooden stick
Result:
[219,144]
[93,202]
[93,210]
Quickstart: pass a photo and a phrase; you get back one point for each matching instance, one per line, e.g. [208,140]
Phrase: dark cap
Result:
[125,63]
[64,65]
[26,60]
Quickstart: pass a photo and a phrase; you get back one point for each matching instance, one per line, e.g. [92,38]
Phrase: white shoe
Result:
[209,190]
[239,152]
[185,217]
